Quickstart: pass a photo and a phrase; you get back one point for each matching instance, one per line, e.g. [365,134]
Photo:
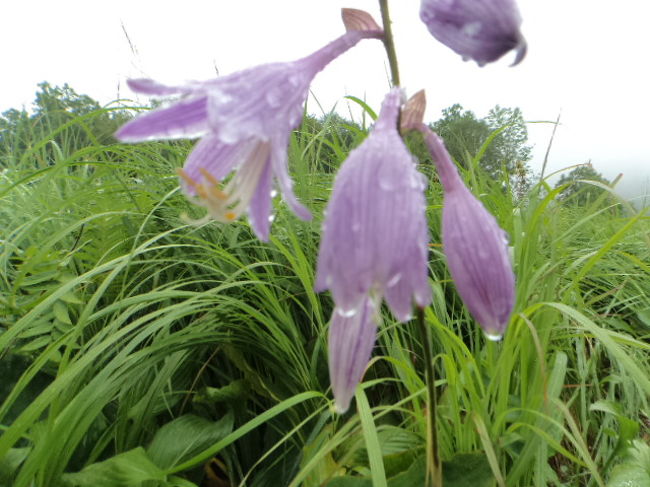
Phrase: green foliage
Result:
[465,135]
[136,349]
[62,118]
[582,186]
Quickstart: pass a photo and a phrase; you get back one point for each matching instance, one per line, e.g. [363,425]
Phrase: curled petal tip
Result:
[355,19]
[481,30]
[413,112]
[150,87]
[522,48]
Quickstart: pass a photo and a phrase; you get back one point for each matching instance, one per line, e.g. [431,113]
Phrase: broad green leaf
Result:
[129,469]
[186,436]
[629,475]
[467,469]
[61,313]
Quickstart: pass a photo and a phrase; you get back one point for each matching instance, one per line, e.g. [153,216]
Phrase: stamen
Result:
[225,205]
[186,177]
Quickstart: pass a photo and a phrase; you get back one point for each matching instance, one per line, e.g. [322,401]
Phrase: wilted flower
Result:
[482,30]
[475,246]
[245,121]
[374,242]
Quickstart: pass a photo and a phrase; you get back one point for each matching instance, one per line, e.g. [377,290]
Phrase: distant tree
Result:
[54,107]
[580,193]
[464,135]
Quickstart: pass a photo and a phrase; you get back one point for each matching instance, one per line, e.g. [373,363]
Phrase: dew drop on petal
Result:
[296,79]
[472,28]
[493,338]
[346,313]
[394,280]
[274,193]
[271,218]
[386,184]
[274,98]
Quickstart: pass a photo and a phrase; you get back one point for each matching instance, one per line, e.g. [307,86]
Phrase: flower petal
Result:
[259,212]
[279,164]
[351,340]
[475,246]
[183,119]
[478,259]
[375,231]
[151,87]
[482,30]
[212,155]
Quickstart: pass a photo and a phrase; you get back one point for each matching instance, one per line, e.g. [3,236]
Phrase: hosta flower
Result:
[374,242]
[245,120]
[351,340]
[475,245]
[482,30]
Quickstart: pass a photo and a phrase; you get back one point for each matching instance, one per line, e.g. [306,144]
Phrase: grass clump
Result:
[139,350]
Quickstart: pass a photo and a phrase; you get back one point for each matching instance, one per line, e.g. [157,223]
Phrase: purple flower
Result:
[245,121]
[475,245]
[351,340]
[482,30]
[374,242]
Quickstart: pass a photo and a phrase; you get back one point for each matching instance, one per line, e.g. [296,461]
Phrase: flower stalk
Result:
[389,43]
[434,467]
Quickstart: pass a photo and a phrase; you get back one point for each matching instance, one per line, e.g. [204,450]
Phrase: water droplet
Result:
[274,98]
[346,313]
[472,28]
[394,280]
[271,218]
[296,79]
[386,184]
[274,193]
[493,338]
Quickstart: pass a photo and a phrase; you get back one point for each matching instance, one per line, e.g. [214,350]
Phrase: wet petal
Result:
[351,340]
[478,260]
[281,172]
[482,30]
[475,246]
[212,155]
[181,120]
[151,87]
[375,231]
[260,206]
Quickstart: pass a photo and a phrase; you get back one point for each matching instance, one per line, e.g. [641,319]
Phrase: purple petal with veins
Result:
[375,231]
[351,340]
[246,119]
[482,30]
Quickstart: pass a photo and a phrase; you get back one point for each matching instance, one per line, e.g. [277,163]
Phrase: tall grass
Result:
[139,350]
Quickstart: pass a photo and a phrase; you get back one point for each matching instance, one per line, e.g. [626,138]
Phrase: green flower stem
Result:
[389,44]
[433,460]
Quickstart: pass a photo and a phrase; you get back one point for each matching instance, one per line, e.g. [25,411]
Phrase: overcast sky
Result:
[587,58]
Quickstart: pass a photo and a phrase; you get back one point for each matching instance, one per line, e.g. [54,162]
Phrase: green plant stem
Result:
[432,436]
[389,44]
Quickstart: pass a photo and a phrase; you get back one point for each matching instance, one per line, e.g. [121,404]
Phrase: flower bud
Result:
[482,30]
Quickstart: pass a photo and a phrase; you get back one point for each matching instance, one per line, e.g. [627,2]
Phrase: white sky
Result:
[585,57]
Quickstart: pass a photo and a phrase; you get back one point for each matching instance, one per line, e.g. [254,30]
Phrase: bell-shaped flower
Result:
[482,30]
[351,340]
[475,245]
[244,120]
[374,243]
